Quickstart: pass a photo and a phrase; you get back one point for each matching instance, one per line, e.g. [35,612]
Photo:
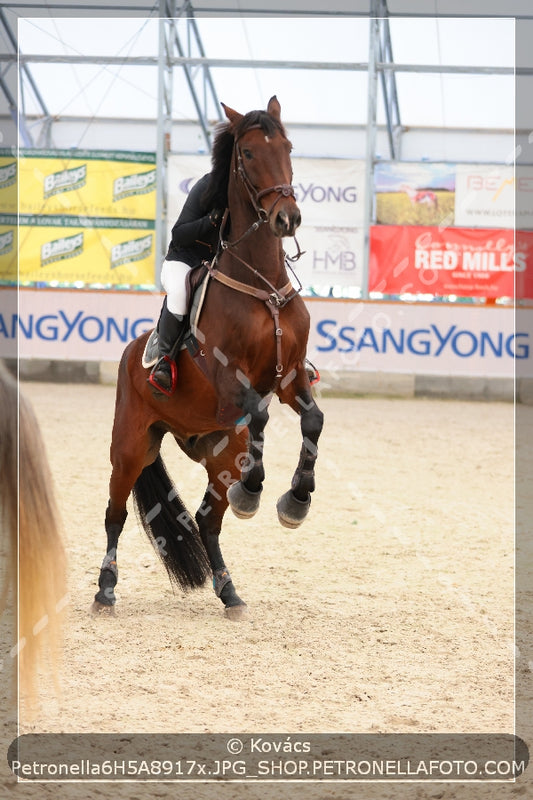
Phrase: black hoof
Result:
[106,596]
[236,613]
[292,512]
[243,503]
[99,609]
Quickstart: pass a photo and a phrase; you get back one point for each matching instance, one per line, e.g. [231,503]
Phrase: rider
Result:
[194,239]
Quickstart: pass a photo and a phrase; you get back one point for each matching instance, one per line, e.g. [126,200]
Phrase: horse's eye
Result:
[247,154]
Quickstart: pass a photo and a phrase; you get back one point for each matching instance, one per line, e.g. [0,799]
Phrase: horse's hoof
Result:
[236,613]
[291,511]
[243,503]
[101,610]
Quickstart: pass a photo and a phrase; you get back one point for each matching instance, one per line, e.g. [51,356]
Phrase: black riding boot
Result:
[171,329]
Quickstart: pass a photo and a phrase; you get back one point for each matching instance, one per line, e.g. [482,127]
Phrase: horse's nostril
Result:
[283,220]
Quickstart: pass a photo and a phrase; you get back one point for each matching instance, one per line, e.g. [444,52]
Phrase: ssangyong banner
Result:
[421,338]
[467,262]
[330,194]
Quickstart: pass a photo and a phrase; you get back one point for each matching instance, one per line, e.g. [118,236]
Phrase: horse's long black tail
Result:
[170,527]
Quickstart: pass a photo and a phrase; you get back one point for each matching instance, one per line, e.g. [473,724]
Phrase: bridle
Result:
[274,298]
[282,189]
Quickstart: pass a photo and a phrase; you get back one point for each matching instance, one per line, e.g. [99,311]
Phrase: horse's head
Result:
[262,162]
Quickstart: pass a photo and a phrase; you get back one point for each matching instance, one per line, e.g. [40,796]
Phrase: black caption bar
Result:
[268,757]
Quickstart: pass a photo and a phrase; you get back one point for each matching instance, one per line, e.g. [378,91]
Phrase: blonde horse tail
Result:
[40,584]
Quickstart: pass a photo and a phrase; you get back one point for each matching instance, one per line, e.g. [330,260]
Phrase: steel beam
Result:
[371,133]
[248,63]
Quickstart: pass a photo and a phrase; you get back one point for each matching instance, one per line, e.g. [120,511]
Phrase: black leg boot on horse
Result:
[171,330]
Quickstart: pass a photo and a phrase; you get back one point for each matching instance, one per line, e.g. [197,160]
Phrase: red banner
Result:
[468,262]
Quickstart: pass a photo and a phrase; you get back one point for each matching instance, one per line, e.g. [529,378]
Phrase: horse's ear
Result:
[274,108]
[233,116]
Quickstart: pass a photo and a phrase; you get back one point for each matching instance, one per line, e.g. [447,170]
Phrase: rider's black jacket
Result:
[195,233]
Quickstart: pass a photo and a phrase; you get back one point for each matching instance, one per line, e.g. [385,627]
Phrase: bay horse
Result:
[253,331]
[35,563]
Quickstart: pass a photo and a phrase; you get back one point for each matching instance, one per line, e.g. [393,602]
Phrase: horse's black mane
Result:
[216,194]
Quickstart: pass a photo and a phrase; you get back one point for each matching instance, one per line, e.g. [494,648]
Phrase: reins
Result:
[275,299]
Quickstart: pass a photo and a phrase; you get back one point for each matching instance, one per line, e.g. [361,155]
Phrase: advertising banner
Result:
[8,217]
[524,277]
[87,218]
[462,195]
[330,194]
[414,194]
[80,251]
[8,182]
[485,195]
[88,183]
[8,248]
[420,338]
[468,262]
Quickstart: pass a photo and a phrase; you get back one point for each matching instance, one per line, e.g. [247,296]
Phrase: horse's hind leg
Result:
[128,457]
[221,453]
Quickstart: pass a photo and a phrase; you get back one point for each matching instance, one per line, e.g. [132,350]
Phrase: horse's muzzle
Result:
[285,222]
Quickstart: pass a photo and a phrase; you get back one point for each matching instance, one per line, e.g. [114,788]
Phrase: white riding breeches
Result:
[173,275]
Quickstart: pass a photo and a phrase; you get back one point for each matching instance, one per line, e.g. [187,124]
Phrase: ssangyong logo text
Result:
[60,249]
[134,250]
[142,183]
[65,181]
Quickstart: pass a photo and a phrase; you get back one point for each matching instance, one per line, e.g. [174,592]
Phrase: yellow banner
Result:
[88,253]
[8,183]
[86,217]
[87,184]
[8,249]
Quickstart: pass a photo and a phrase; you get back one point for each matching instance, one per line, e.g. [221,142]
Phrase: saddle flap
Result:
[196,284]
[193,279]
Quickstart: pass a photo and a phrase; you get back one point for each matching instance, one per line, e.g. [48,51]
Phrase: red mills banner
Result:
[468,262]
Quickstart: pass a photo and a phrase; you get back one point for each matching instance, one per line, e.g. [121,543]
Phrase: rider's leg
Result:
[172,324]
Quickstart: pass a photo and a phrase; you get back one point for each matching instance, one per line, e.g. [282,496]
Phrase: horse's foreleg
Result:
[245,494]
[293,506]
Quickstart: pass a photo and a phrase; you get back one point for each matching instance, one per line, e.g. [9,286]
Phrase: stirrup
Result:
[312,373]
[152,380]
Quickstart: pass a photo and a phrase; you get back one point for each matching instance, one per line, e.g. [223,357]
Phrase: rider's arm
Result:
[195,223]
